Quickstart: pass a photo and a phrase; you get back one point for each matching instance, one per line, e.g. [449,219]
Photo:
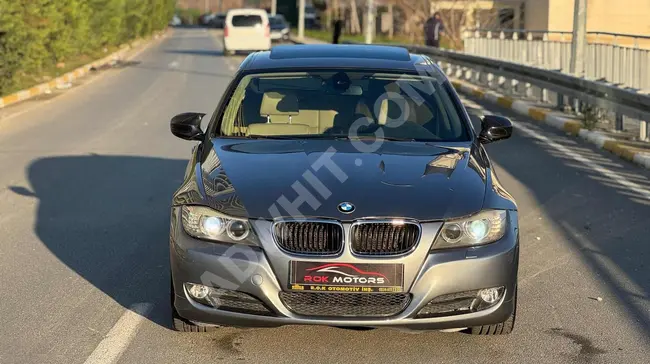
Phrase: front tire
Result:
[502,328]
[183,325]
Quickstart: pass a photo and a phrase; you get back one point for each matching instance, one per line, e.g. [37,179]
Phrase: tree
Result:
[35,35]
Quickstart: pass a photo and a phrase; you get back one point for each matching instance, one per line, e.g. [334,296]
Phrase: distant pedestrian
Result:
[338,27]
[432,30]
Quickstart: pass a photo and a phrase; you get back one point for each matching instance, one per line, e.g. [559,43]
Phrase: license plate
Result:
[346,277]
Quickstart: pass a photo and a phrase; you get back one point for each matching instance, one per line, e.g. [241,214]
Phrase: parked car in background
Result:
[176,21]
[206,19]
[279,27]
[218,21]
[246,30]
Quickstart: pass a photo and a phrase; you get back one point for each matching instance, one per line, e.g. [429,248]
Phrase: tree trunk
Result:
[354,25]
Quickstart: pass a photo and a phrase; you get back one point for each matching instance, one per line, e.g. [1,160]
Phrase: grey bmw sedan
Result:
[342,185]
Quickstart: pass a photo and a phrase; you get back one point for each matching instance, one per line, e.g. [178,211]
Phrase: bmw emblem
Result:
[346,207]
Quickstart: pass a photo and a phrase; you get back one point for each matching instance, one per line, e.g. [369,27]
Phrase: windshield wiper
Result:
[299,137]
[338,137]
[396,139]
[281,137]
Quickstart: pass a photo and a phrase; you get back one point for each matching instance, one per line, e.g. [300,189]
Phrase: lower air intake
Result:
[345,304]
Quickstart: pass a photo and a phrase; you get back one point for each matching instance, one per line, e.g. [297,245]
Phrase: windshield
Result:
[246,20]
[276,20]
[343,104]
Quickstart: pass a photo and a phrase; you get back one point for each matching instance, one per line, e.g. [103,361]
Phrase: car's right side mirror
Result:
[494,128]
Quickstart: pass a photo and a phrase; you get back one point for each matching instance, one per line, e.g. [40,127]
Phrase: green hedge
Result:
[38,35]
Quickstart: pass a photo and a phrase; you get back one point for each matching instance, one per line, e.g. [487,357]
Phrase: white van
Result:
[246,30]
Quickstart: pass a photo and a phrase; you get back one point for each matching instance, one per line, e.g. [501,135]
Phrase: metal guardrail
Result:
[618,58]
[551,33]
[594,92]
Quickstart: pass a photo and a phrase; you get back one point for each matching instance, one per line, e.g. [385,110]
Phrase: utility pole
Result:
[391,15]
[274,7]
[301,20]
[206,6]
[579,41]
[370,23]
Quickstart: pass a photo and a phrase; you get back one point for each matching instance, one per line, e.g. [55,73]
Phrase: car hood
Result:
[281,178]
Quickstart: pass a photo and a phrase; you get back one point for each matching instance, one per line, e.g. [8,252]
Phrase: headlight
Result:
[205,223]
[483,228]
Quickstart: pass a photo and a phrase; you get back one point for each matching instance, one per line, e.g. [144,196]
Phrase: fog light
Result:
[198,291]
[226,300]
[491,295]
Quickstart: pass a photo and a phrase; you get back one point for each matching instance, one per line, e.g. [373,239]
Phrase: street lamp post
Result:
[301,20]
[370,22]
[579,41]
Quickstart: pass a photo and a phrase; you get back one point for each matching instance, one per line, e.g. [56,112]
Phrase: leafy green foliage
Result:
[189,16]
[38,35]
[591,115]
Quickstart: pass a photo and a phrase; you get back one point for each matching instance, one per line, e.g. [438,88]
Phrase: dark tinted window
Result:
[276,21]
[246,20]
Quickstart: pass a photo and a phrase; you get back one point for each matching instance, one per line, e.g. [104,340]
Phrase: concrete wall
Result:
[615,16]
[560,15]
[536,14]
[619,16]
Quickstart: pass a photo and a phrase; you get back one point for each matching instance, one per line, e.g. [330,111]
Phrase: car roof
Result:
[349,56]
[245,11]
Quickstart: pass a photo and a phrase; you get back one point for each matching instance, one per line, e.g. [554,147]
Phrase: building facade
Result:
[612,16]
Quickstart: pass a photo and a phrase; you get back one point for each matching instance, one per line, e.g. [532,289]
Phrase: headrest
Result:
[276,103]
[278,129]
[392,87]
[362,108]
[393,110]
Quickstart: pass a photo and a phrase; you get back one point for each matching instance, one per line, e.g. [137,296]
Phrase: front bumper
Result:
[262,274]
[277,35]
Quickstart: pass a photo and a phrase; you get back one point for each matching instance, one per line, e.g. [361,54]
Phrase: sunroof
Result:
[340,51]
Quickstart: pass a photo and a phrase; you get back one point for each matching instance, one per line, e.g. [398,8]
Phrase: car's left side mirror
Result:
[187,125]
[494,128]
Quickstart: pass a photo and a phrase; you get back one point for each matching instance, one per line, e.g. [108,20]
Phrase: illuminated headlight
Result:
[207,224]
[483,228]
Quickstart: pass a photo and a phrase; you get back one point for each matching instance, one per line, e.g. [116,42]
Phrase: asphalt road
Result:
[85,185]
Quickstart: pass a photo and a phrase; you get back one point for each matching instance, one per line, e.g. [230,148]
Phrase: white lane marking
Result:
[111,348]
[231,68]
[173,65]
[615,177]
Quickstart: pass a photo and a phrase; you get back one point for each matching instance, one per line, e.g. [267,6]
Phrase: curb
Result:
[565,124]
[61,81]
